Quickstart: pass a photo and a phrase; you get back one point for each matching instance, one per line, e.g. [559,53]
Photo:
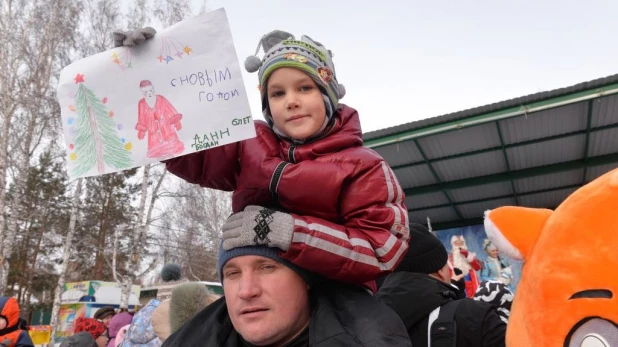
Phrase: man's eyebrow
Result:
[227,265]
[593,294]
[257,262]
[262,261]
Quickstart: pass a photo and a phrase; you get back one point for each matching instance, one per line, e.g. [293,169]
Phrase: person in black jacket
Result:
[422,283]
[271,302]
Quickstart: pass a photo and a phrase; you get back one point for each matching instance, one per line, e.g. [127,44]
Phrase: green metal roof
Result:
[531,151]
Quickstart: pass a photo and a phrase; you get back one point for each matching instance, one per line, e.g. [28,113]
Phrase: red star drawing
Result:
[79,78]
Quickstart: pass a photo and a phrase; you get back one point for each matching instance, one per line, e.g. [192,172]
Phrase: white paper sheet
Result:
[178,93]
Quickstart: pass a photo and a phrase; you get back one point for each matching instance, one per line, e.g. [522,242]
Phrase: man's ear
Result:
[443,274]
[515,230]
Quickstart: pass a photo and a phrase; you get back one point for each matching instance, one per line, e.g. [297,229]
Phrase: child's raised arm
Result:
[216,168]
[220,167]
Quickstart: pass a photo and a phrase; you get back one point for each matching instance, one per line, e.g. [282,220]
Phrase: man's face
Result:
[147,91]
[267,302]
[458,243]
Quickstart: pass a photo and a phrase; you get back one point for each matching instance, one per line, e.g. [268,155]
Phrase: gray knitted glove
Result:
[133,37]
[258,226]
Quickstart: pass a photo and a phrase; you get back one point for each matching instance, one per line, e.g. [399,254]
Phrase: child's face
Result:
[296,103]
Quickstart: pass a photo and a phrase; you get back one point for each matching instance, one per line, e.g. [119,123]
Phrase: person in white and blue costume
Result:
[495,268]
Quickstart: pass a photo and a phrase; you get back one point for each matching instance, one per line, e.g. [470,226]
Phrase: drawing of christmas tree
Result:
[96,141]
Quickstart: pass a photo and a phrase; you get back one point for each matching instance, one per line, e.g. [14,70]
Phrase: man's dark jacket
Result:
[341,315]
[414,295]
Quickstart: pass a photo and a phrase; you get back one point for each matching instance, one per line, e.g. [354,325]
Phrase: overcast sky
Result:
[402,61]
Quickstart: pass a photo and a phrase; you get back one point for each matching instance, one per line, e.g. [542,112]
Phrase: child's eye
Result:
[306,88]
[276,94]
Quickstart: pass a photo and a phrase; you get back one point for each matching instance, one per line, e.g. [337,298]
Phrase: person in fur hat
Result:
[347,220]
[187,300]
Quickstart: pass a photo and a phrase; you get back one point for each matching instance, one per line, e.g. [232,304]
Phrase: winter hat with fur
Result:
[281,49]
[187,300]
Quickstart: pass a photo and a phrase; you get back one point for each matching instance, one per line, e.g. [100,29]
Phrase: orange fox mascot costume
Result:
[568,292]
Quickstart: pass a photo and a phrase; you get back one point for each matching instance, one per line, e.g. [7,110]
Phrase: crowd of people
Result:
[150,326]
[269,301]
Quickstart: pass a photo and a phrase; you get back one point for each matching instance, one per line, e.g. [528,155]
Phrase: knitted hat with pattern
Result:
[283,50]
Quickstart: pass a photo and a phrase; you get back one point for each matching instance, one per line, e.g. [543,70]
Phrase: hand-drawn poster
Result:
[175,94]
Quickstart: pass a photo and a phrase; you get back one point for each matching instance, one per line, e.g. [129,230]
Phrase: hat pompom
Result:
[252,63]
[171,272]
[341,89]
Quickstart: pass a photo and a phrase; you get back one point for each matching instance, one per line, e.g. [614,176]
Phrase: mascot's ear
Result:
[515,230]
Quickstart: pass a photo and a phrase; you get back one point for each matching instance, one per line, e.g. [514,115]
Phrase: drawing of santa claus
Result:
[160,121]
